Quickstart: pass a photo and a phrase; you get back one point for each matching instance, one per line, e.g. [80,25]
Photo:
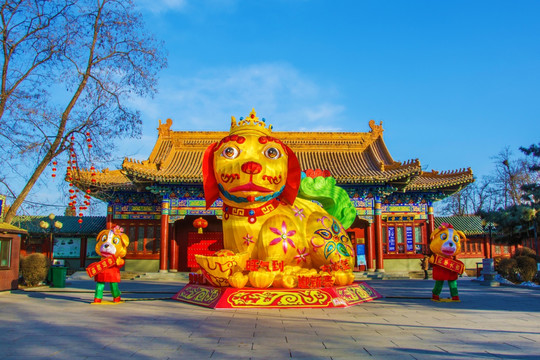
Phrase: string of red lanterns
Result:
[71,168]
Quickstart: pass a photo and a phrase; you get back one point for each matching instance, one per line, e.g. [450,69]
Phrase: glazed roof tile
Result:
[91,225]
[11,229]
[352,158]
[469,224]
[445,179]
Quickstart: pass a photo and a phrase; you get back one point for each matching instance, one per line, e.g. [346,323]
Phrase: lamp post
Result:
[535,228]
[51,225]
[488,265]
[489,227]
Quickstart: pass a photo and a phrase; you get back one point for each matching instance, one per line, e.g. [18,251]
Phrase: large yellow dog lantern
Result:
[264,222]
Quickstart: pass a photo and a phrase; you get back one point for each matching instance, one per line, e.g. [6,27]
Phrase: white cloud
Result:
[278,92]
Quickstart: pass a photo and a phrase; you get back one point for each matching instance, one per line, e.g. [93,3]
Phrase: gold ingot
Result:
[343,277]
[289,281]
[238,280]
[218,269]
[261,279]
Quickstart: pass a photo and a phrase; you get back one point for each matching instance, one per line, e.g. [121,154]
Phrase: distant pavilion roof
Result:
[353,158]
[469,224]
[11,229]
[91,225]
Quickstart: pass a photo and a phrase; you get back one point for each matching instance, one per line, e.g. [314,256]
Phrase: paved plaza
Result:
[489,323]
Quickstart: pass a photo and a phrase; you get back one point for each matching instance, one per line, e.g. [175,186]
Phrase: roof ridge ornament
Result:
[250,124]
[375,129]
[164,129]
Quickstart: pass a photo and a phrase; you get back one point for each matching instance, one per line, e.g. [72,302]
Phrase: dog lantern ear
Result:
[210,184]
[294,176]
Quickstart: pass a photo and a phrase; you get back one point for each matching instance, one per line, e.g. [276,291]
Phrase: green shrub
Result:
[507,268]
[34,268]
[525,251]
[526,266]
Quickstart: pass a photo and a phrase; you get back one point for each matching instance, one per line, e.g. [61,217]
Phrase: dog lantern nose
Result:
[251,168]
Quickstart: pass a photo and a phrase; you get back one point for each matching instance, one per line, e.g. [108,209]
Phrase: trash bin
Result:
[58,275]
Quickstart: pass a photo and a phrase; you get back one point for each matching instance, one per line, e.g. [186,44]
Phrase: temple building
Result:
[158,200]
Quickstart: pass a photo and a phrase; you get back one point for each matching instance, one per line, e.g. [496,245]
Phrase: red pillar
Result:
[109,221]
[378,236]
[431,222]
[370,253]
[84,242]
[174,250]
[164,251]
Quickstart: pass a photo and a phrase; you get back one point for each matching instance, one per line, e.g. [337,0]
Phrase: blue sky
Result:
[453,82]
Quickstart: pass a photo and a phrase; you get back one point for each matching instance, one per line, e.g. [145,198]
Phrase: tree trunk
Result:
[10,214]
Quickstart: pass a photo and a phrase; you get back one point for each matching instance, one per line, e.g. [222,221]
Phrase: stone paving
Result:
[489,323]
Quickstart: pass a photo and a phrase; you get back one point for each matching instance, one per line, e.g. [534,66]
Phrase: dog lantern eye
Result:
[104,238]
[456,238]
[272,153]
[443,236]
[230,152]
[116,240]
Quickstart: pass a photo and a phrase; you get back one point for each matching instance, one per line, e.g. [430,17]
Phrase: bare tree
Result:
[509,176]
[470,200]
[69,71]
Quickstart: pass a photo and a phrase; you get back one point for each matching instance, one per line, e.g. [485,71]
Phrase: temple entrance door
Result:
[359,234]
[202,244]
[190,242]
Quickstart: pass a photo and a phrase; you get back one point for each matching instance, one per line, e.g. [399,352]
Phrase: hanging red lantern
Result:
[80,221]
[200,224]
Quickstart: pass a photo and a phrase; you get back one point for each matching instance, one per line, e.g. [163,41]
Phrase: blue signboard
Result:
[391,238]
[360,254]
[409,238]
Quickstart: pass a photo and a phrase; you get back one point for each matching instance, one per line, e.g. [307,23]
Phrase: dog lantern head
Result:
[250,166]
[112,242]
[446,240]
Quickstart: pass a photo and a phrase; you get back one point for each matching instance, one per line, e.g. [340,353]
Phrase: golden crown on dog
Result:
[250,124]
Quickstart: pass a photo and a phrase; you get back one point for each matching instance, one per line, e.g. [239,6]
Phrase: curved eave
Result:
[449,181]
[104,181]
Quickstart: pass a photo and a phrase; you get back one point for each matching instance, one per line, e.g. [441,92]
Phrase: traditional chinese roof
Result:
[353,158]
[6,228]
[469,224]
[91,225]
[449,181]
